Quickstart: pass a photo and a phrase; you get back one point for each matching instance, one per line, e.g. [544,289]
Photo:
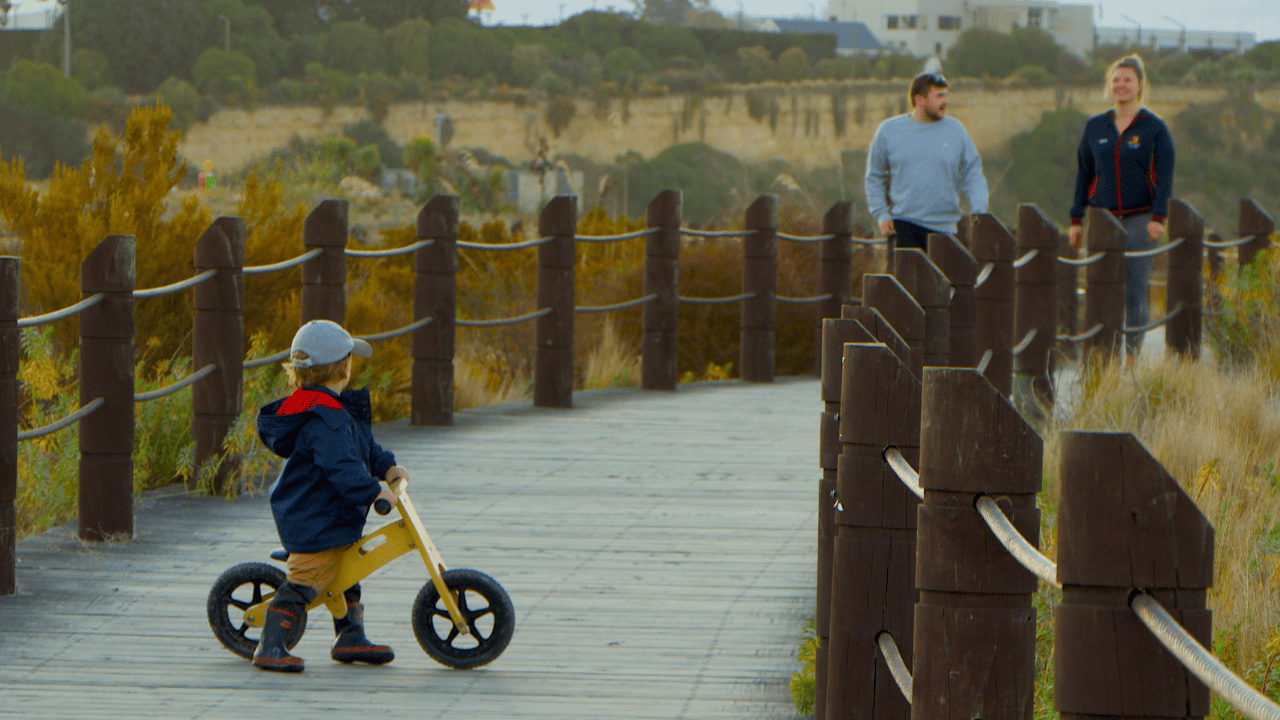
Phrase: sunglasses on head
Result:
[935,78]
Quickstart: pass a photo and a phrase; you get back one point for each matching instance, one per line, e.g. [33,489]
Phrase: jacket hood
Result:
[280,421]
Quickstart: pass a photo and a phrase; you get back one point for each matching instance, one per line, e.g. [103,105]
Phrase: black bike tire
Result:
[234,638]
[499,604]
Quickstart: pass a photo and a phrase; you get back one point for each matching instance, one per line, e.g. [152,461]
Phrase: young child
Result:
[328,482]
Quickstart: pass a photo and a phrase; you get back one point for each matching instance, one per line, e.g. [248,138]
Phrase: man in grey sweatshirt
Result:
[917,165]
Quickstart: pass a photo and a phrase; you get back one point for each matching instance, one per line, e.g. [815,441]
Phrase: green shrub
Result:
[552,83]
[754,64]
[367,161]
[706,175]
[91,68]
[183,100]
[419,152]
[252,33]
[1034,75]
[367,132]
[793,65]
[354,47]
[230,77]
[39,140]
[42,86]
[623,64]
[410,45]
[1043,165]
[529,62]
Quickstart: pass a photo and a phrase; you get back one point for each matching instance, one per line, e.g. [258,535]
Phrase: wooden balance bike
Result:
[462,618]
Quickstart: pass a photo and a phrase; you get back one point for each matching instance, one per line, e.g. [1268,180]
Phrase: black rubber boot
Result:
[351,644]
[286,609]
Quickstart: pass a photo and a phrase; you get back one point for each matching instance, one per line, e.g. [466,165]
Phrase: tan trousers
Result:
[315,569]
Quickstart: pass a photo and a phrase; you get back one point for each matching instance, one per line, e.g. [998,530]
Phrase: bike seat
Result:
[280,554]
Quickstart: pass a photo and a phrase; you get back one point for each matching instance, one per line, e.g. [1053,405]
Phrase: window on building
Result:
[891,22]
[1033,17]
[948,22]
[909,22]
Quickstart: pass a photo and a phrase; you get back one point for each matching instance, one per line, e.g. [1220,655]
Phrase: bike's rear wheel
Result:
[235,591]
[488,612]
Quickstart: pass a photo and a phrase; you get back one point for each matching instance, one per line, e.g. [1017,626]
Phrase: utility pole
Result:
[1135,22]
[562,12]
[1182,36]
[66,37]
[227,41]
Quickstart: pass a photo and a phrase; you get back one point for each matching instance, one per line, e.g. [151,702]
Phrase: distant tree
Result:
[981,50]
[664,12]
[793,65]
[1265,56]
[354,47]
[183,100]
[252,33]
[91,68]
[660,43]
[144,41]
[754,64]
[624,63]
[1043,164]
[41,86]
[410,43]
[39,140]
[707,176]
[463,49]
[528,62]
[389,13]
[227,76]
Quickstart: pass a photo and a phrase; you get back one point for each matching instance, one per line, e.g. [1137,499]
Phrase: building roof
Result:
[849,35]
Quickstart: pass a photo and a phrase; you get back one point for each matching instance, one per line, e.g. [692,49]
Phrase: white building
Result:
[1177,39]
[930,27]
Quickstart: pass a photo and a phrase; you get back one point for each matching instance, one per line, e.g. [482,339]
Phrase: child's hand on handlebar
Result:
[395,471]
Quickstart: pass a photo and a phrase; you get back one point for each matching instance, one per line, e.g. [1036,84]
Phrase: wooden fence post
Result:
[873,565]
[1068,297]
[885,294]
[324,278]
[1123,523]
[1104,294]
[435,295]
[835,270]
[760,279]
[961,270]
[975,626]
[880,330]
[931,290]
[993,245]
[10,336]
[660,319]
[1186,281]
[1036,306]
[217,337]
[1256,222]
[553,356]
[106,371]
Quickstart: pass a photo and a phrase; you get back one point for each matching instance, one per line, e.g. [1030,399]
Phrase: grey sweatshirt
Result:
[916,169]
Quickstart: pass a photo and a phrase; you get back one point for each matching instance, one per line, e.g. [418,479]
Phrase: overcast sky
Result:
[1261,17]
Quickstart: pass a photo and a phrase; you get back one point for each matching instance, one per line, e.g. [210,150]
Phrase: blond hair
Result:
[1134,63]
[314,375]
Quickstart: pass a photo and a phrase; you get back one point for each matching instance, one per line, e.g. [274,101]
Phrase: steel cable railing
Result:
[614,238]
[1156,323]
[390,253]
[1082,336]
[503,321]
[283,265]
[260,362]
[985,361]
[1229,243]
[904,471]
[506,246]
[1025,343]
[57,425]
[175,287]
[897,668]
[1022,261]
[803,301]
[1024,552]
[616,306]
[716,301]
[188,380]
[805,238]
[398,332]
[715,233]
[984,274]
[1082,261]
[1154,251]
[66,312]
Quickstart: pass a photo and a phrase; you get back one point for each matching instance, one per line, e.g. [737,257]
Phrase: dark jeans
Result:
[911,235]
[1137,280]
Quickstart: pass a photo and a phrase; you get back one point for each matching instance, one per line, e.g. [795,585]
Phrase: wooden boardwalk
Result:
[658,547]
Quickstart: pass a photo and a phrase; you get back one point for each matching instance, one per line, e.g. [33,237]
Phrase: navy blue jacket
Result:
[329,478]
[1127,175]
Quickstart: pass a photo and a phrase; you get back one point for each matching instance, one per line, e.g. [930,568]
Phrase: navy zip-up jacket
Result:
[1127,175]
[329,478]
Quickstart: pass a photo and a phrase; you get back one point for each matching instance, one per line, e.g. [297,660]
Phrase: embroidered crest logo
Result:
[1133,142]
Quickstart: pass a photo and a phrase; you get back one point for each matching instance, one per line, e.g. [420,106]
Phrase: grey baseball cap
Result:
[324,342]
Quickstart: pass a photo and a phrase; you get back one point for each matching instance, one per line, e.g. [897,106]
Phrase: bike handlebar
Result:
[382,506]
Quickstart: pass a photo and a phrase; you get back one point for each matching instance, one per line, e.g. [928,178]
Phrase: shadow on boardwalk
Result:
[658,547]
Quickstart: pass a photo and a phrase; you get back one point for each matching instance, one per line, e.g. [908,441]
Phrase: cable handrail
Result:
[1024,552]
[903,470]
[188,380]
[715,233]
[614,238]
[278,357]
[1157,323]
[503,321]
[175,287]
[398,332]
[802,301]
[506,246]
[1229,243]
[1031,255]
[870,241]
[984,275]
[1026,342]
[805,238]
[1154,251]
[716,301]
[392,252]
[1201,662]
[616,306]
[284,265]
[897,668]
[1082,336]
[66,312]
[985,361]
[1083,261]
[57,425]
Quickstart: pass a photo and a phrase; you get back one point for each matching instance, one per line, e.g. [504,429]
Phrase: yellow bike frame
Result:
[372,552]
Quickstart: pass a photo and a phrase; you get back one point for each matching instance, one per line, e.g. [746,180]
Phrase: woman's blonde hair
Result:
[1134,63]
[314,375]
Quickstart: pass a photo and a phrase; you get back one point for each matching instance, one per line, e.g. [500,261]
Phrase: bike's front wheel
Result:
[235,591]
[485,607]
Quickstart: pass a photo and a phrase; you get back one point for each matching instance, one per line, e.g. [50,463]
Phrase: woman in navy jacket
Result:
[1125,164]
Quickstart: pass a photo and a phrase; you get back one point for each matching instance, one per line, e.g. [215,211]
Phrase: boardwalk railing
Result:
[925,579]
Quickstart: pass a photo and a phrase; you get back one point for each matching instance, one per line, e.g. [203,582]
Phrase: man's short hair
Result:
[923,83]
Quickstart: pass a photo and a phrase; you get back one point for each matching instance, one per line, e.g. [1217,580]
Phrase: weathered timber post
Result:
[879,329]
[885,294]
[1068,297]
[1036,307]
[1123,523]
[836,333]
[975,626]
[10,337]
[218,337]
[324,295]
[993,246]
[964,231]
[1104,281]
[660,319]
[435,295]
[1186,280]
[553,356]
[961,270]
[835,269]
[873,565]
[931,290]
[106,371]
[760,280]
[1256,222]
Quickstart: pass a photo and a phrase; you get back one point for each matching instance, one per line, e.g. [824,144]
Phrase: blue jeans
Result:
[1137,280]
